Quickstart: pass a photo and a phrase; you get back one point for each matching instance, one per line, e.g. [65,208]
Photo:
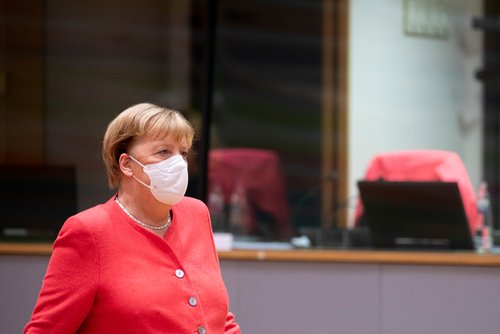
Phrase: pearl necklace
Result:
[152,227]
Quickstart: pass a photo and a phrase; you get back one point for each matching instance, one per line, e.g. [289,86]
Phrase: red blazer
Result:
[109,275]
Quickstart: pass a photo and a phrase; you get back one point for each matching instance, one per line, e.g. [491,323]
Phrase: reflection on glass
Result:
[68,67]
[267,97]
[247,195]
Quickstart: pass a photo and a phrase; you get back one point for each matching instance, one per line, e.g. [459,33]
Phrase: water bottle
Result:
[238,211]
[483,236]
[216,207]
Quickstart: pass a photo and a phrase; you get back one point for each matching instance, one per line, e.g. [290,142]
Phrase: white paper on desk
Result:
[223,241]
[261,245]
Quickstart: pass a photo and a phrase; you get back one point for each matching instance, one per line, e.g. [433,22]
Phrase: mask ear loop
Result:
[144,184]
[134,159]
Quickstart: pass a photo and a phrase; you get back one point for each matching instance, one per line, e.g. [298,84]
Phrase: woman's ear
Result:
[125,164]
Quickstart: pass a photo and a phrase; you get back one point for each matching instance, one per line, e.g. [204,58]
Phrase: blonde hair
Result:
[140,120]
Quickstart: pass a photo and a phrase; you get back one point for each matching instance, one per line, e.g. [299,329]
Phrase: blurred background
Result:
[291,99]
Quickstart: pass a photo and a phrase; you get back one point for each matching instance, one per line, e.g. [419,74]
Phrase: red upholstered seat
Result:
[424,165]
[259,174]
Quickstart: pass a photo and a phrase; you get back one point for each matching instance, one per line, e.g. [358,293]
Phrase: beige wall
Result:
[413,92]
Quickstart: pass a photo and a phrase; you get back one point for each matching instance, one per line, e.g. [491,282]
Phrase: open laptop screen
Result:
[36,200]
[415,215]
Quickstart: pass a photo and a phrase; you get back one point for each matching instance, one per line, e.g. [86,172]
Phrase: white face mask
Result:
[169,178]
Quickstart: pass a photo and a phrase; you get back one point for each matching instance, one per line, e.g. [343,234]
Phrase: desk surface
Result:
[314,255]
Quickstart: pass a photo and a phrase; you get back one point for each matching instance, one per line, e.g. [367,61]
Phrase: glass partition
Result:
[69,67]
[275,144]
[299,97]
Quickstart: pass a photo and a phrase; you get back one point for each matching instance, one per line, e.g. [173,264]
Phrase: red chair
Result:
[424,165]
[258,174]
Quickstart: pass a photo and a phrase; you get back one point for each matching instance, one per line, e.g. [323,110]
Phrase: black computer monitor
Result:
[415,215]
[35,201]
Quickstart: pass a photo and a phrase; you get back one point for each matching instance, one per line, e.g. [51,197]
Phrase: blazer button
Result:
[179,273]
[192,301]
[202,330]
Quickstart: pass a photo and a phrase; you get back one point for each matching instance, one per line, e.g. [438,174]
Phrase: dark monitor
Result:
[35,201]
[415,215]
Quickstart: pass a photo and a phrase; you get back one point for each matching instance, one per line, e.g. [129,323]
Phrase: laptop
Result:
[415,215]
[36,201]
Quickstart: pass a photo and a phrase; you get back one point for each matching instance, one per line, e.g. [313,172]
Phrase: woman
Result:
[144,261]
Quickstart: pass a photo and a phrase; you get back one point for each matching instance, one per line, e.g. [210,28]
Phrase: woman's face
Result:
[149,150]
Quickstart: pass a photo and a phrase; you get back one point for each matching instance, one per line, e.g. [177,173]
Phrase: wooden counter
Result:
[7,248]
[315,255]
[367,256]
